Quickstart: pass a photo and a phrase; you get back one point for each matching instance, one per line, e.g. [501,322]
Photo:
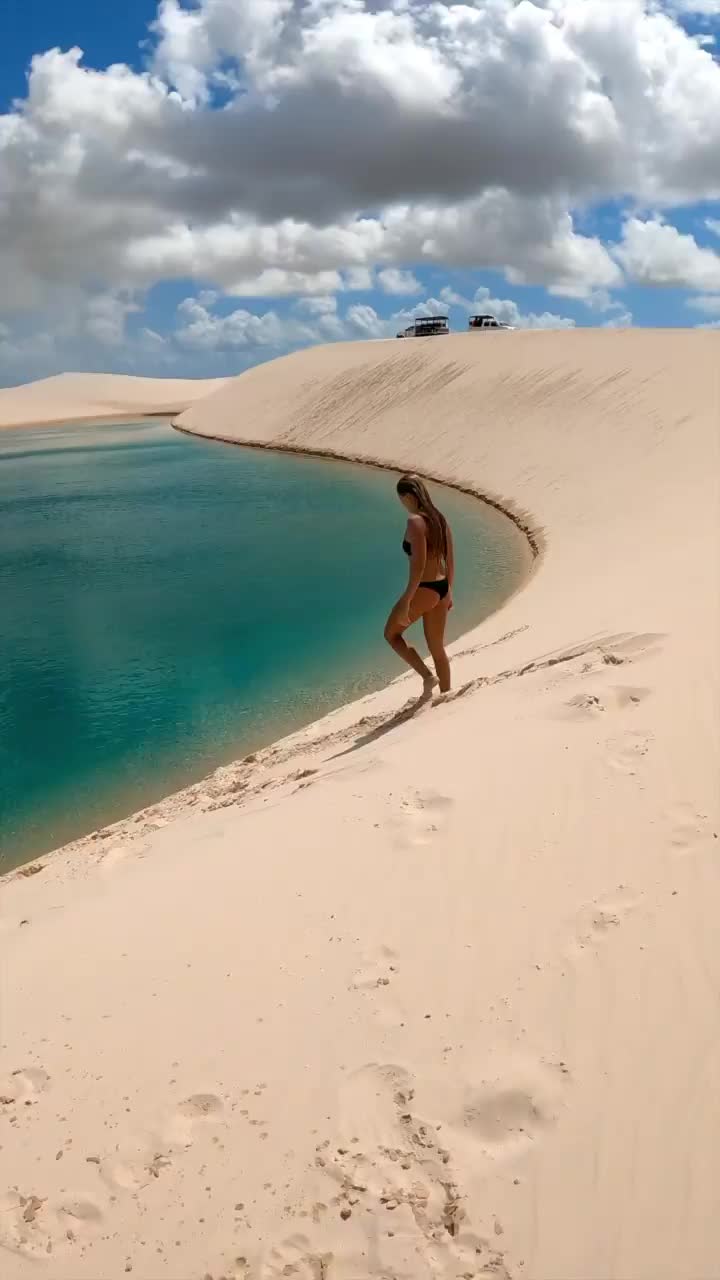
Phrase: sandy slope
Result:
[418,995]
[89,397]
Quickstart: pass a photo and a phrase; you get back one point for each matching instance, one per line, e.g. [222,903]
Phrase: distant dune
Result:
[422,991]
[86,397]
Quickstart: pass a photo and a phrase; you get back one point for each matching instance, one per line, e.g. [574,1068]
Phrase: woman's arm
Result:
[417,538]
[450,557]
[450,564]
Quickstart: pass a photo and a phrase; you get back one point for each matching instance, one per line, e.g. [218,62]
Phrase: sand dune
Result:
[85,397]
[422,991]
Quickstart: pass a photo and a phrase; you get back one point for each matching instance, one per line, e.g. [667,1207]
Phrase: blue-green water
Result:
[168,603]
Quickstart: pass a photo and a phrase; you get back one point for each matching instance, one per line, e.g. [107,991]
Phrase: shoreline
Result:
[533,534]
[394,999]
[106,420]
[170,805]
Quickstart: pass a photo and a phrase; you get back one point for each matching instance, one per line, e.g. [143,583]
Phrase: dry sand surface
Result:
[93,397]
[424,991]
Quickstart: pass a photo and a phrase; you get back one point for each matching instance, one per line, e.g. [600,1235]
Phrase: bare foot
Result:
[430,683]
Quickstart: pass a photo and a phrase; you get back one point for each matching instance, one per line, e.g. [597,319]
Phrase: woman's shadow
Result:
[394,721]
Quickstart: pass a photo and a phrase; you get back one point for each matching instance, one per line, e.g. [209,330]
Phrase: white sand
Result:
[94,397]
[447,1004]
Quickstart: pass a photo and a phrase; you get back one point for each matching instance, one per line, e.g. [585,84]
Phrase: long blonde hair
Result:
[437,538]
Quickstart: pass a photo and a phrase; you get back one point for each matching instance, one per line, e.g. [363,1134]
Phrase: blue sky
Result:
[231,258]
[106,32]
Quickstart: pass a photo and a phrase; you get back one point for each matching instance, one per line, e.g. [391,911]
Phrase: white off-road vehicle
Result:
[487,322]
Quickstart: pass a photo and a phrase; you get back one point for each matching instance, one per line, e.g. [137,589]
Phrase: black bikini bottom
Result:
[441,585]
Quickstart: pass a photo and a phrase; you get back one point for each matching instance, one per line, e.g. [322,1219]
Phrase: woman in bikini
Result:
[429,547]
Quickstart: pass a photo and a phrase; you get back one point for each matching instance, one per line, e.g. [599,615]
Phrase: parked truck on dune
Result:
[487,322]
[426,327]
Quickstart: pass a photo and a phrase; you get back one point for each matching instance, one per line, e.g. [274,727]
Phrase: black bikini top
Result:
[407,548]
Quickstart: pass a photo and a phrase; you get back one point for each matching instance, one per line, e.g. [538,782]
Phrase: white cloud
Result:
[709,303]
[713,225]
[105,317]
[409,110]
[600,300]
[364,322]
[694,8]
[508,312]
[152,338]
[324,305]
[354,137]
[359,279]
[204,331]
[654,253]
[624,320]
[78,331]
[393,280]
[240,330]
[319,319]
[504,309]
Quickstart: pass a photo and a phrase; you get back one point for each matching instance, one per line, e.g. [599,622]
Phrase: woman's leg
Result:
[422,601]
[434,627]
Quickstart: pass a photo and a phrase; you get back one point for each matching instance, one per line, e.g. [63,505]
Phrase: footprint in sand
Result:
[195,1112]
[296,1257]
[394,1156]
[441,699]
[626,752]
[510,1112]
[34,1228]
[584,706]
[23,1085]
[118,853]
[24,1224]
[631,648]
[201,1106]
[422,817]
[79,1216]
[626,696]
[377,970]
[394,1181]
[690,829]
[139,1161]
[375,979]
[136,1164]
[595,705]
[599,919]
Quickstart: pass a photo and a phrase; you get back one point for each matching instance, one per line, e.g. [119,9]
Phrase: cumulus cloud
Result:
[695,8]
[306,147]
[336,108]
[505,310]
[95,324]
[623,320]
[105,317]
[202,330]
[324,305]
[395,281]
[315,320]
[709,303]
[320,319]
[364,322]
[654,253]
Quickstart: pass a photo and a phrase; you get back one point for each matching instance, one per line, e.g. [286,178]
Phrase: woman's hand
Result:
[450,599]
